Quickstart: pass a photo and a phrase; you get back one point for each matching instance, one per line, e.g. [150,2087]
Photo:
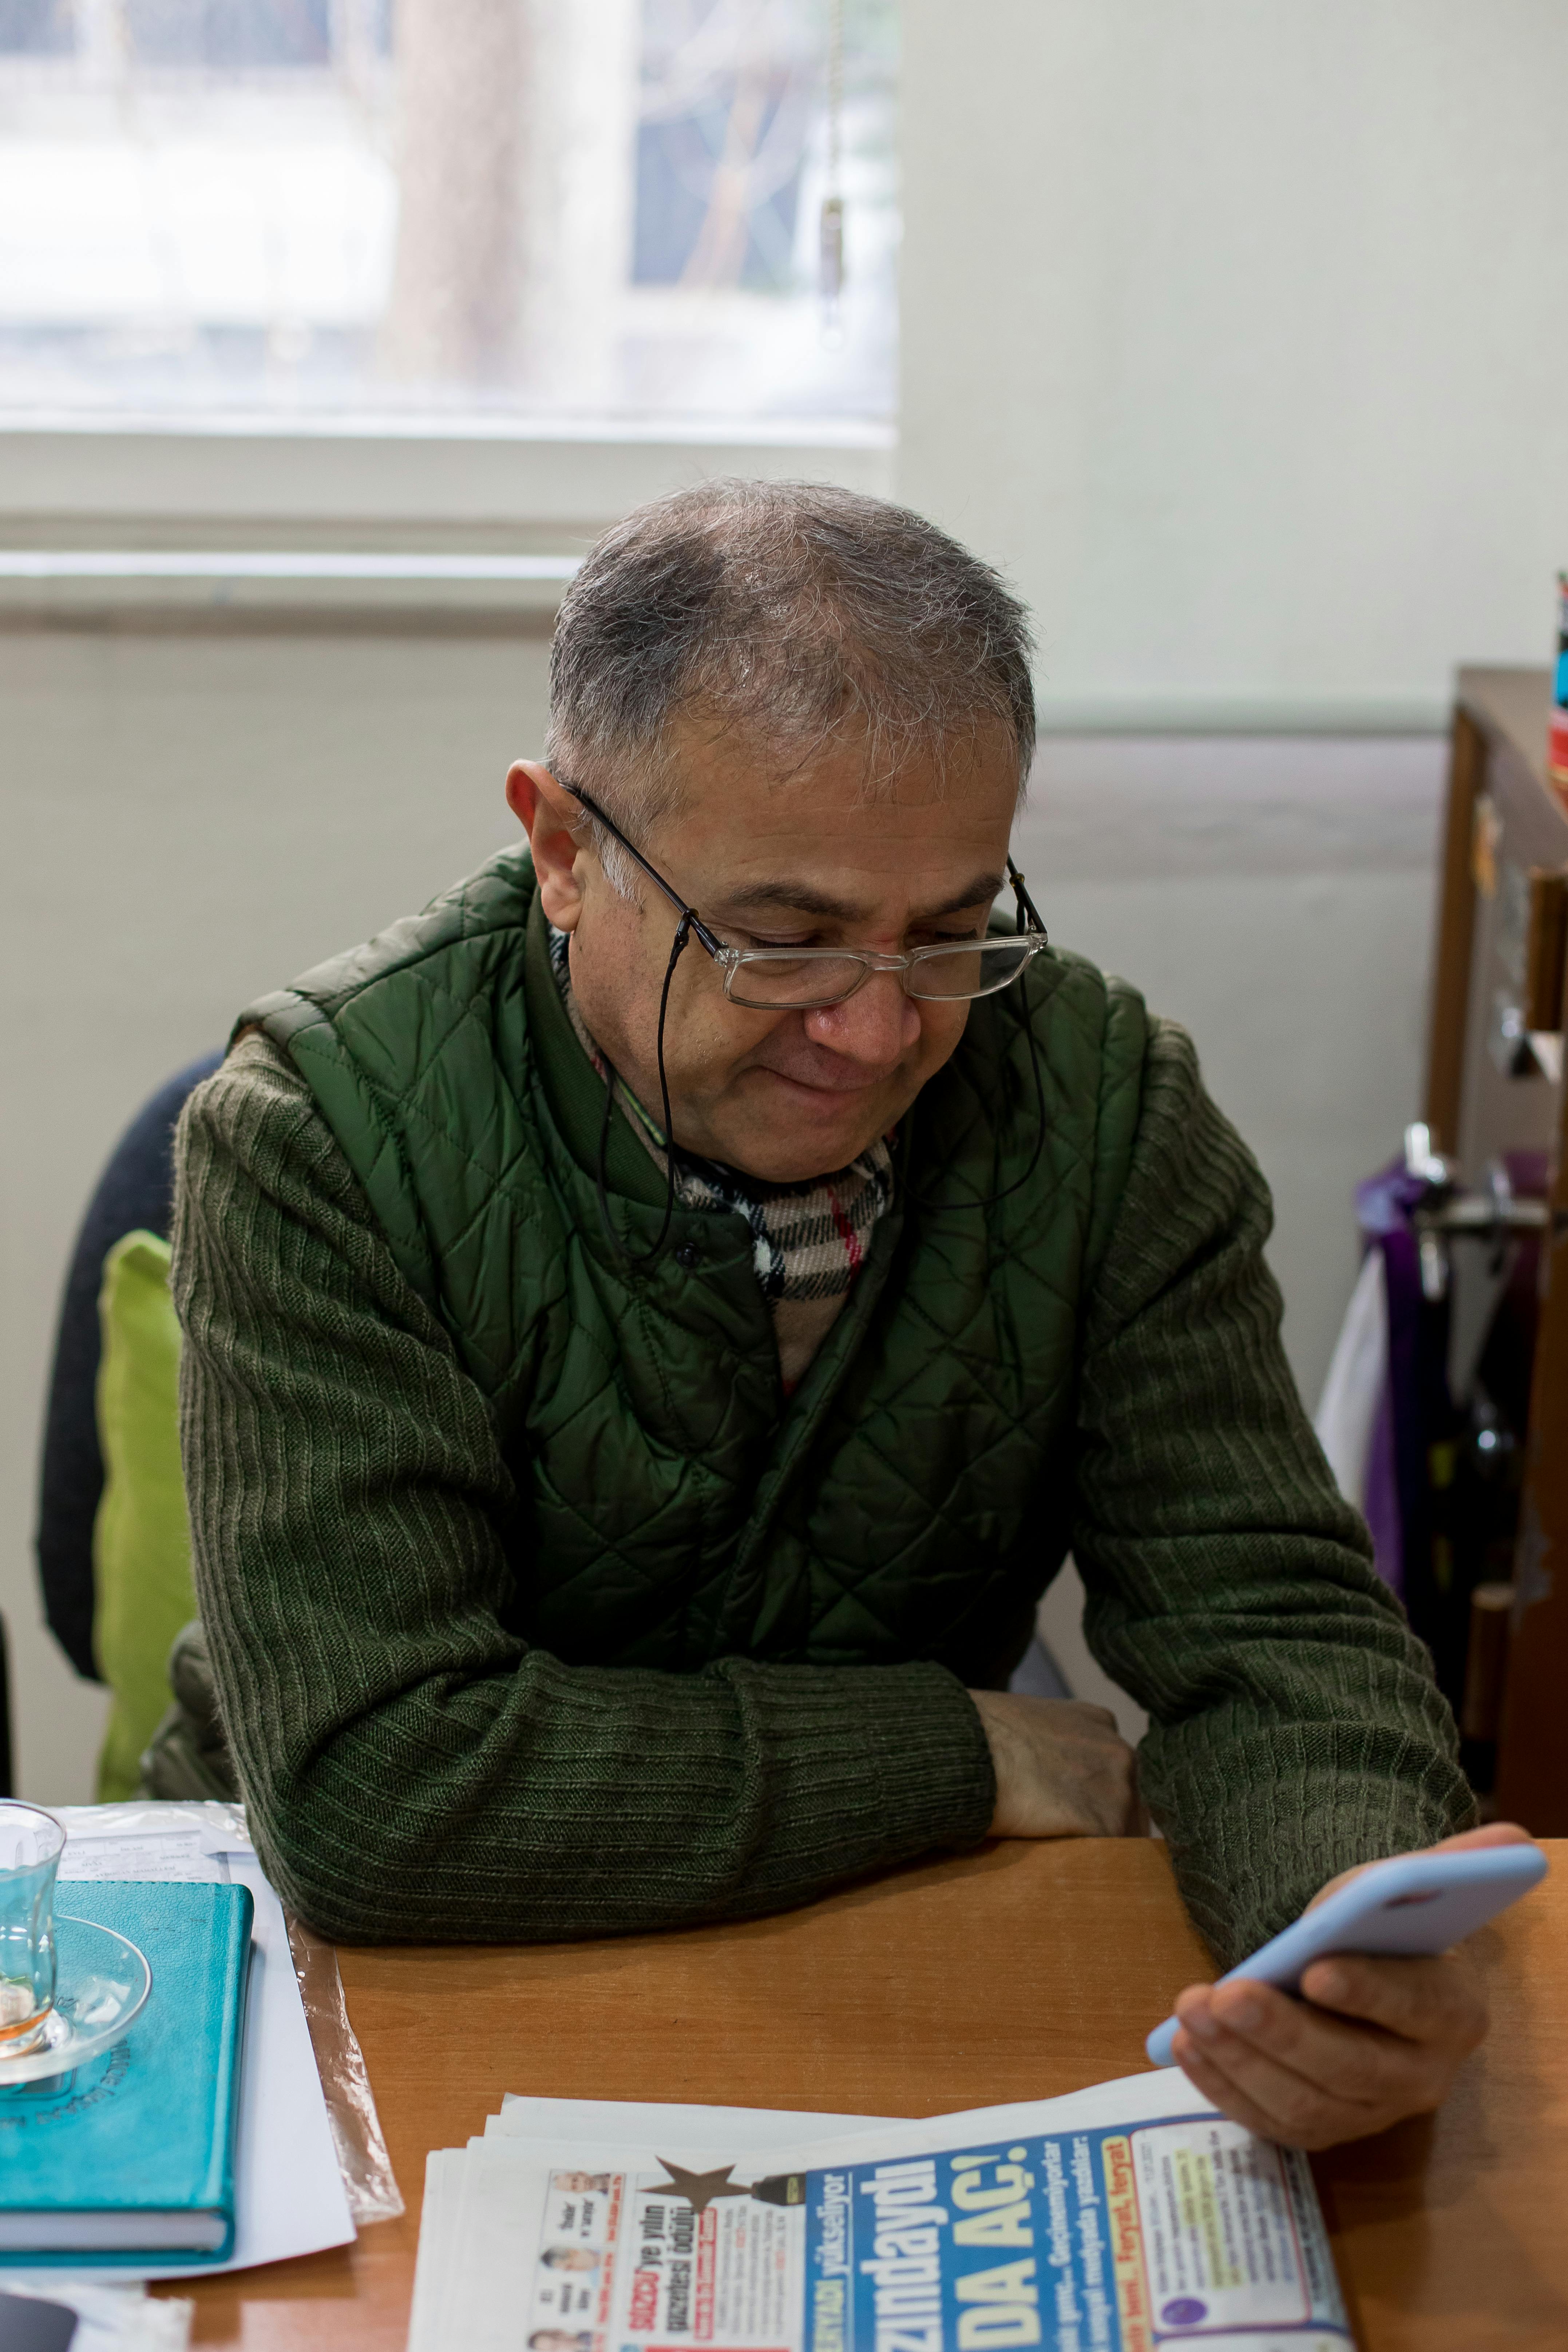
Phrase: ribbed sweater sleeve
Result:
[1297,1729]
[412,1770]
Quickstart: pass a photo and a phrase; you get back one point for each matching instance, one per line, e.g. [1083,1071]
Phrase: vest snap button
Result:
[688,1255]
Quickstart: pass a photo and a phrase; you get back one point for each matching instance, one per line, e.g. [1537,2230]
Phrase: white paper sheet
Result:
[289,2192]
[187,1856]
[444,2169]
[752,2129]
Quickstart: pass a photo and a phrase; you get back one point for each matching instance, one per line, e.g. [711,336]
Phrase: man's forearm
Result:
[556,1801]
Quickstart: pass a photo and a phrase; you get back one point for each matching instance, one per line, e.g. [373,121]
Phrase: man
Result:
[591,1537]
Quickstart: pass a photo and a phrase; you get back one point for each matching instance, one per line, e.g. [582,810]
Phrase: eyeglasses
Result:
[773,980]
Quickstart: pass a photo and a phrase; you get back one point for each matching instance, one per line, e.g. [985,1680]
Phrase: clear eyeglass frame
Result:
[1000,962]
[947,972]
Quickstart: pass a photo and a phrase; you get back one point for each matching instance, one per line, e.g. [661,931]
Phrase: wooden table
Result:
[1017,1972]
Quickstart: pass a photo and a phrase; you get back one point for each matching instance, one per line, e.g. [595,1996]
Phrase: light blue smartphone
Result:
[1412,1904]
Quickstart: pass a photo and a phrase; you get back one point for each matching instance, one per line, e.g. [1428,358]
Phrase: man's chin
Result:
[806,1131]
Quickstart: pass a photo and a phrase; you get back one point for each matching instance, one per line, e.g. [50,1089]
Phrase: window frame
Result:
[437,488]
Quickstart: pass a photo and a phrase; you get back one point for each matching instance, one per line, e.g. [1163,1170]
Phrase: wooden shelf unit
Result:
[1484,1099]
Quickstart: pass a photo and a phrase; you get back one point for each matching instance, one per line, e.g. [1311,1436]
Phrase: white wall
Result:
[1235,330]
[189,821]
[1231,332]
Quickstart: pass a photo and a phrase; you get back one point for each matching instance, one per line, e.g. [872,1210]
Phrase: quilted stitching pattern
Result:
[677,1510]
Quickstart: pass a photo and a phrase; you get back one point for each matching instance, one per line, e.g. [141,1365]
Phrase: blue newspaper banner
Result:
[1187,2230]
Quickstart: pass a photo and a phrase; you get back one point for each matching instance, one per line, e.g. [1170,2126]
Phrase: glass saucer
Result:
[102,1984]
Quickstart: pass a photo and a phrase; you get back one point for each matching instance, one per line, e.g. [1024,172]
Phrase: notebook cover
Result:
[148,2125]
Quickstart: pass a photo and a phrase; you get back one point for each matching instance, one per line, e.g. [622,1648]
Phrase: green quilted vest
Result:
[914,1496]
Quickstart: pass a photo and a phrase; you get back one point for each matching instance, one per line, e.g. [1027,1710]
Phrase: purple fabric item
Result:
[1530,1173]
[1383,1202]
[1396,1487]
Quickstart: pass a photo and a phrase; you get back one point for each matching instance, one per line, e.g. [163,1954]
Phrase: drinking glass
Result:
[31,1844]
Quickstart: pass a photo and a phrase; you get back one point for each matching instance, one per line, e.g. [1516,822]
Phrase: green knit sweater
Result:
[415,1770]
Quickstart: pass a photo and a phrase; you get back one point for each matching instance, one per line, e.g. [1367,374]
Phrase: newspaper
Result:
[1118,2220]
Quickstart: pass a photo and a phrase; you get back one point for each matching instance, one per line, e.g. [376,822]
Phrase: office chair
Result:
[134,1194]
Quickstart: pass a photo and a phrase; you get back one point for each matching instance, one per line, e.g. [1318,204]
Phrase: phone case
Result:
[1411,1905]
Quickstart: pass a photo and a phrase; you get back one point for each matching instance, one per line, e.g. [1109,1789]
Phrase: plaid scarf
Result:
[809,1241]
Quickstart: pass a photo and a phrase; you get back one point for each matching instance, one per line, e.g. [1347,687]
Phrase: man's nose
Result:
[875,1025]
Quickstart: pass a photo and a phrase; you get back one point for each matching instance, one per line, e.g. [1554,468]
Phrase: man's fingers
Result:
[1490,1833]
[1240,2023]
[1317,2077]
[1205,2076]
[1423,2001]
[1314,2110]
[1373,2038]
[1271,2101]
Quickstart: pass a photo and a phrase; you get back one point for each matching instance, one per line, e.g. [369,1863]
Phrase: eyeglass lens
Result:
[967,969]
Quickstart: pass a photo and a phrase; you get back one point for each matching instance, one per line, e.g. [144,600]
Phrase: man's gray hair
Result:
[794,613]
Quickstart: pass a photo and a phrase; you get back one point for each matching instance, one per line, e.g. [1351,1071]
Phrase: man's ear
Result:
[547,814]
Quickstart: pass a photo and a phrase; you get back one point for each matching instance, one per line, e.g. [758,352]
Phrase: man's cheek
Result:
[941,1032]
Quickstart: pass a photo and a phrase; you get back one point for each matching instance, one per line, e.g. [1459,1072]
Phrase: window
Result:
[35,28]
[603,211]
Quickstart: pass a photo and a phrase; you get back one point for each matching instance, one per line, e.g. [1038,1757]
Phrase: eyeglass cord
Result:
[639,1258]
[952,1208]
[643,1257]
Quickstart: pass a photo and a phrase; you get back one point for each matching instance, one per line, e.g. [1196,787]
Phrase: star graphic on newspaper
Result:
[699,2188]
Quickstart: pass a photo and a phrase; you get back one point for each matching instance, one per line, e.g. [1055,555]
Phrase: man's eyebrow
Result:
[804,899]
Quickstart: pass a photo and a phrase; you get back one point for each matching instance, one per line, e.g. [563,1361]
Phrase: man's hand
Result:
[1371,2042]
[1062,1768]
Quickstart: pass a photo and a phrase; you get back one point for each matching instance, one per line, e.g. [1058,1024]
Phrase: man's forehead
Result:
[800,894]
[823,839]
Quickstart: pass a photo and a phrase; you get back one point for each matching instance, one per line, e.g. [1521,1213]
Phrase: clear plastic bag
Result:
[369,2180]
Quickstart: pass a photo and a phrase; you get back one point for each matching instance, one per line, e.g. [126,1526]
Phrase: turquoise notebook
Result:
[131,2157]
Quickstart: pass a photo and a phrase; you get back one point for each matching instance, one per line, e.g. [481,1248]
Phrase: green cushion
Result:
[141,1542]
